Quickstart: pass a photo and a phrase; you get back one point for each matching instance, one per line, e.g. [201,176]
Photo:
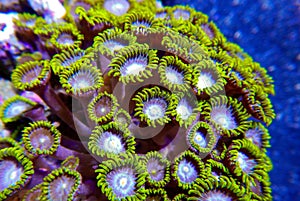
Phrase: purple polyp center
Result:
[246,164]
[254,135]
[31,74]
[117,7]
[122,182]
[134,65]
[205,80]
[114,45]
[41,138]
[174,76]
[103,106]
[61,187]
[81,80]
[186,172]
[223,116]
[155,108]
[199,139]
[65,39]
[210,33]
[156,169]
[10,173]
[183,14]
[111,143]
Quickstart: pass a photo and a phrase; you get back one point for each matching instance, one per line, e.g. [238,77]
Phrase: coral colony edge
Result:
[129,100]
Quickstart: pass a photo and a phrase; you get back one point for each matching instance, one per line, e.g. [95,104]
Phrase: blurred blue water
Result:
[270,32]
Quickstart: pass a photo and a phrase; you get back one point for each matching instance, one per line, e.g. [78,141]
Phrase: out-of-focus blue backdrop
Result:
[269,30]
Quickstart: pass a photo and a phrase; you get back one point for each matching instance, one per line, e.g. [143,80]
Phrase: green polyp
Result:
[61,176]
[107,104]
[22,105]
[185,48]
[201,138]
[65,36]
[82,5]
[117,135]
[195,162]
[207,78]
[111,41]
[255,158]
[235,51]
[174,74]
[133,63]
[117,8]
[45,133]
[227,115]
[66,58]
[159,164]
[15,155]
[184,13]
[122,117]
[163,13]
[140,22]
[114,166]
[259,135]
[221,59]
[44,31]
[82,79]
[212,33]
[238,75]
[31,75]
[93,17]
[261,189]
[153,98]
[94,22]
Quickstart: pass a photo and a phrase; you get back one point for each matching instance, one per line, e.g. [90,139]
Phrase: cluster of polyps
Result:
[132,102]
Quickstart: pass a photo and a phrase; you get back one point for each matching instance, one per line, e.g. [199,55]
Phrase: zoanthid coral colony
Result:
[130,100]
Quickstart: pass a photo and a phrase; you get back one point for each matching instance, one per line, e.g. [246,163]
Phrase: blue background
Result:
[270,32]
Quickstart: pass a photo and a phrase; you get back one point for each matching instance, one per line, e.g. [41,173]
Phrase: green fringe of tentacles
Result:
[110,140]
[125,167]
[41,138]
[9,157]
